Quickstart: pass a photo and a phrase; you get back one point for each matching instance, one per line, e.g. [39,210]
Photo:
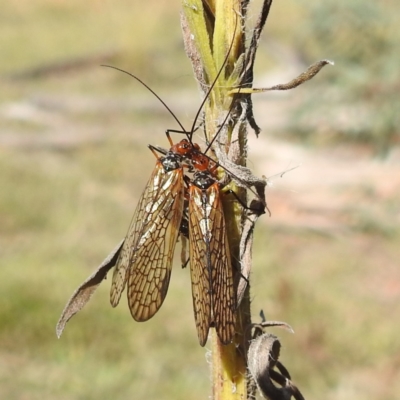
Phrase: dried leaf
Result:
[262,358]
[305,76]
[85,291]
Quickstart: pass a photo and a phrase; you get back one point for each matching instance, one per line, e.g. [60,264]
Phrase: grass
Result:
[72,169]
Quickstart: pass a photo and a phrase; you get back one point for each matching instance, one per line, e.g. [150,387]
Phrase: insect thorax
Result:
[203,180]
[171,161]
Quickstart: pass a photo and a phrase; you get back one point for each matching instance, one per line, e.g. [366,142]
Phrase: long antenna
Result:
[212,85]
[190,133]
[152,91]
[222,125]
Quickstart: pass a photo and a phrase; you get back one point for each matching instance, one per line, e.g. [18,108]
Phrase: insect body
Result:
[214,299]
[144,264]
[145,261]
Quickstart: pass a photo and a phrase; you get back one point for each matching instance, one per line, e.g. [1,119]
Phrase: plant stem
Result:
[213,37]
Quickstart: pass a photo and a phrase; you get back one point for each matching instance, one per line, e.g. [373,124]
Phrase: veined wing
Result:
[210,263]
[199,267]
[146,257]
[224,297]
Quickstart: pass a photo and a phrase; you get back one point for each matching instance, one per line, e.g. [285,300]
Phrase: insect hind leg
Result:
[255,206]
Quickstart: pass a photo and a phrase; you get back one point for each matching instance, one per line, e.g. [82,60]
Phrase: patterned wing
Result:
[148,285]
[212,281]
[199,267]
[224,299]
[146,257]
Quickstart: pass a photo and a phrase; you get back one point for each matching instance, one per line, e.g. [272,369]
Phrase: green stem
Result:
[211,29]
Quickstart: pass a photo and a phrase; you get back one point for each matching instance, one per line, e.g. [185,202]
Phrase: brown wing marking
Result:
[146,258]
[223,295]
[148,285]
[212,280]
[201,284]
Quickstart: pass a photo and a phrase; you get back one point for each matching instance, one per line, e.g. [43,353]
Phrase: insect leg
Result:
[256,207]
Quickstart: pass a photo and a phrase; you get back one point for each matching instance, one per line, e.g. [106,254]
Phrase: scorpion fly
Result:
[214,298]
[145,261]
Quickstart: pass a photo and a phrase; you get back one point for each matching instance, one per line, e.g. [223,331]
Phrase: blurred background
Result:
[74,160]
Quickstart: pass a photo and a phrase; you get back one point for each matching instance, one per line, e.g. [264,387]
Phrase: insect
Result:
[145,261]
[214,298]
[144,264]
